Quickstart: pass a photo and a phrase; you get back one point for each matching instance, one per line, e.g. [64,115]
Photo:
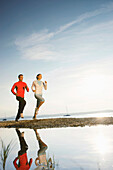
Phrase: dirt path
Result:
[57,122]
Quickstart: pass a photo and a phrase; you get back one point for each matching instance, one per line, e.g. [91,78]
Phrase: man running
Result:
[20,87]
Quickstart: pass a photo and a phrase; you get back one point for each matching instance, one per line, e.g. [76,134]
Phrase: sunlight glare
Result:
[102,143]
[94,84]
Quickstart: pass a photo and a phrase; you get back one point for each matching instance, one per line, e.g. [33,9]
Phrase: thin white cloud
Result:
[41,45]
[33,39]
[87,15]
[36,46]
[38,52]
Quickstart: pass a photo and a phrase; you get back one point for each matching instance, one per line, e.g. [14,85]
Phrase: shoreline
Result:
[57,122]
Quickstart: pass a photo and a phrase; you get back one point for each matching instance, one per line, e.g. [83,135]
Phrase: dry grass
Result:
[4,153]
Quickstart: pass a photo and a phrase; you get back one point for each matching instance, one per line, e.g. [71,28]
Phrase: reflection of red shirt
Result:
[24,165]
[20,88]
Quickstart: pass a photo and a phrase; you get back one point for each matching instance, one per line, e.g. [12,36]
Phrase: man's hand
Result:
[34,90]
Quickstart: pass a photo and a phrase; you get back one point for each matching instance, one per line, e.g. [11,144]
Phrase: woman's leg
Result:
[41,143]
[40,101]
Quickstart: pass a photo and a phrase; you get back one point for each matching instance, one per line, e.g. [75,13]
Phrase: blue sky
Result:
[69,42]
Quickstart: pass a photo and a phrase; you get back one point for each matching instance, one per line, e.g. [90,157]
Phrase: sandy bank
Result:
[57,122]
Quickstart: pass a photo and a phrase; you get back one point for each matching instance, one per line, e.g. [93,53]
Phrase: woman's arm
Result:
[33,87]
[36,161]
[45,85]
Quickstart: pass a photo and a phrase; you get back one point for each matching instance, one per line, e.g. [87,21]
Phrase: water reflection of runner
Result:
[41,161]
[22,154]
[38,85]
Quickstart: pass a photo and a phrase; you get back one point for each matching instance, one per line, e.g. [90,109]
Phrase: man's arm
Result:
[12,89]
[14,162]
[30,162]
[27,88]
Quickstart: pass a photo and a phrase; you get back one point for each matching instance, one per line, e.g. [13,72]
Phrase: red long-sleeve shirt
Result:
[24,165]
[20,88]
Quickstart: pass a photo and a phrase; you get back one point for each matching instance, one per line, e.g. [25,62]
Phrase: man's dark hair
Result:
[37,76]
[20,75]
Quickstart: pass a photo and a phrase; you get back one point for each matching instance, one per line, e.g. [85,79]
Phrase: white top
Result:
[38,86]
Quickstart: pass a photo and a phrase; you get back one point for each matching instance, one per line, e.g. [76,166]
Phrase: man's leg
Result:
[22,104]
[23,144]
[22,108]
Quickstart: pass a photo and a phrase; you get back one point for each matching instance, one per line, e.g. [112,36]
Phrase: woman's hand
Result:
[36,161]
[34,90]
[45,81]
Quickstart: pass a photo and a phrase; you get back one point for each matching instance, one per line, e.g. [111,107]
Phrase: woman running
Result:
[37,87]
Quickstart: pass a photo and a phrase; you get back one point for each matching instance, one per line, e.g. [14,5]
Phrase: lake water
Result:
[108,113]
[80,148]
